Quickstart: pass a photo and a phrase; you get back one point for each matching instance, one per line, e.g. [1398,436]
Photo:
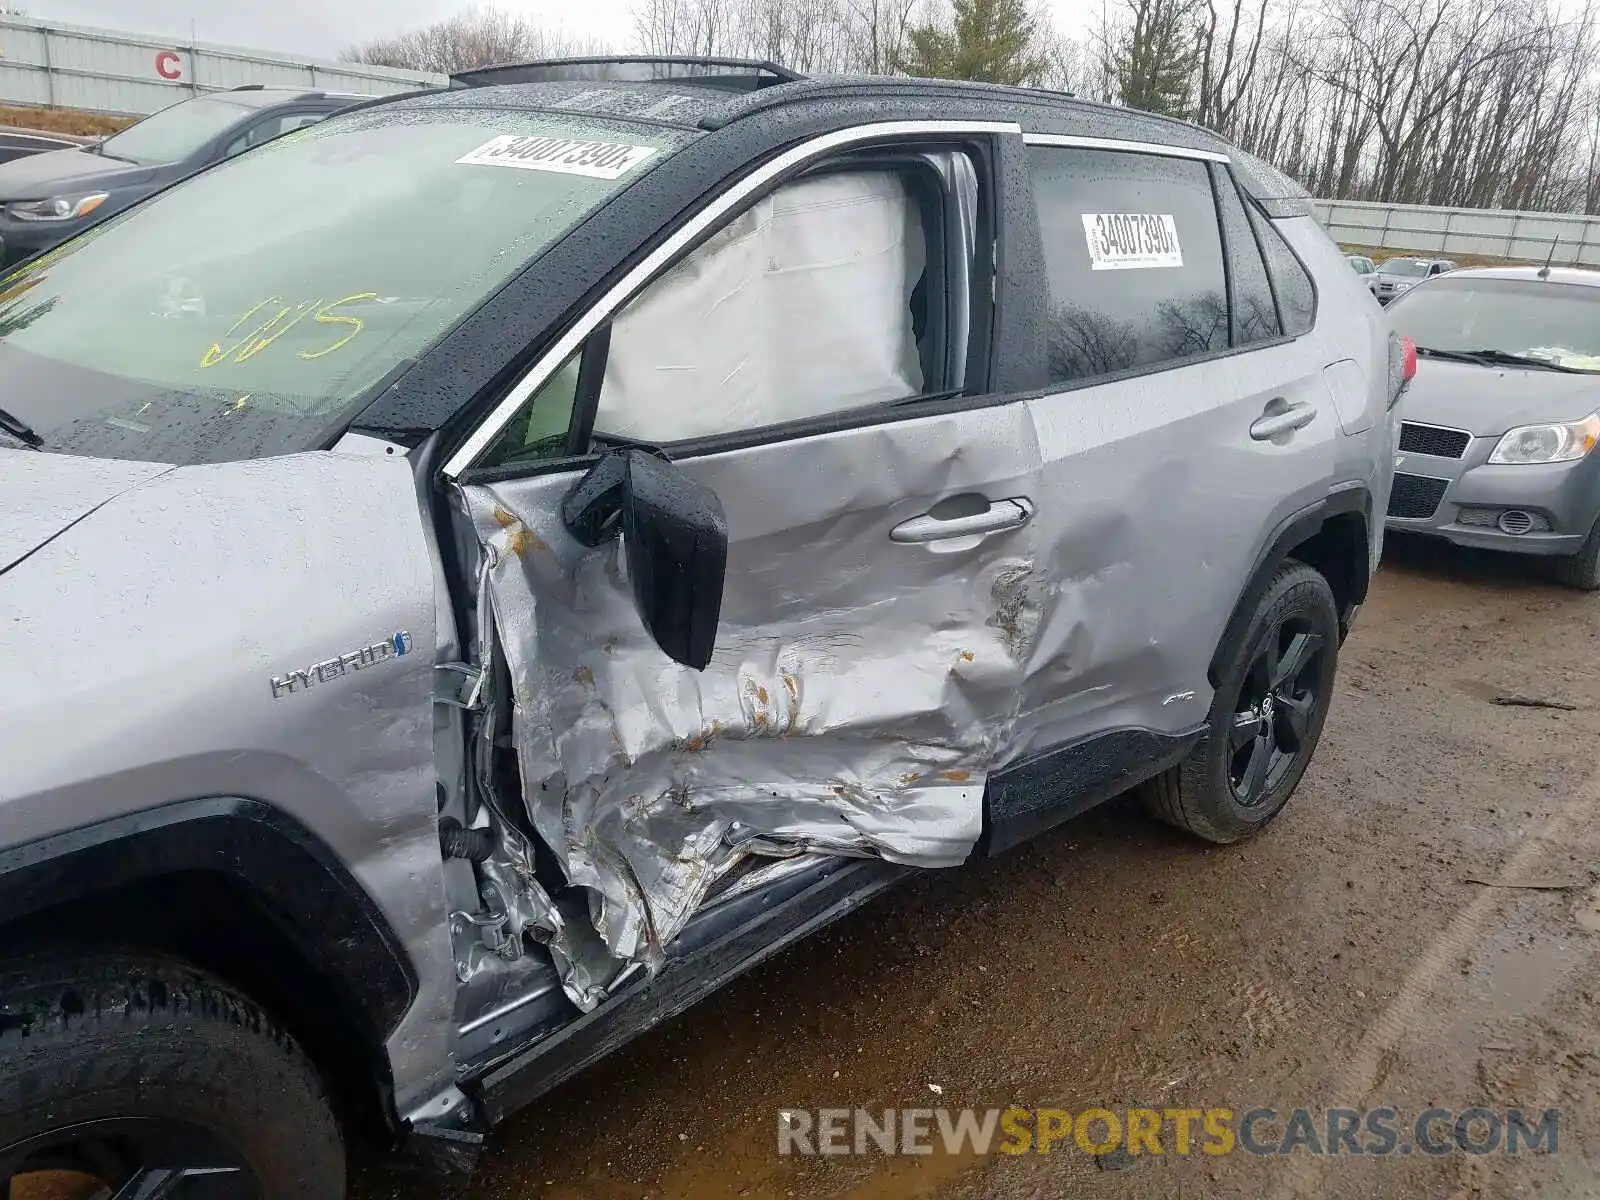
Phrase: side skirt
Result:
[686,978]
[1045,789]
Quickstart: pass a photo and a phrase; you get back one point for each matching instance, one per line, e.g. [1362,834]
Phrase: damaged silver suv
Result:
[480,572]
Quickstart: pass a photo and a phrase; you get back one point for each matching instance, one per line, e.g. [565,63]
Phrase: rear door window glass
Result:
[1255,315]
[1133,259]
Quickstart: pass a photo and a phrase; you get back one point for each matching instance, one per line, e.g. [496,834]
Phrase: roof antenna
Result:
[1544,271]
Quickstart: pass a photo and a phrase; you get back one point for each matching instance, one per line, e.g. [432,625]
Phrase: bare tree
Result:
[1230,43]
[476,38]
[671,27]
[876,32]
[1482,103]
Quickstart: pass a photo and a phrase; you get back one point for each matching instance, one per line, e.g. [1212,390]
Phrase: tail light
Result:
[1402,366]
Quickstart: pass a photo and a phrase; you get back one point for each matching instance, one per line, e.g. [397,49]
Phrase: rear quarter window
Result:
[1291,282]
[1133,259]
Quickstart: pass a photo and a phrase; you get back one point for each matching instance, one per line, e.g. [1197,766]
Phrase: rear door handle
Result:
[1000,516]
[1281,418]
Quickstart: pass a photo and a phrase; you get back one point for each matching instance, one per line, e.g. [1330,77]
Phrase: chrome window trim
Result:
[665,254]
[1098,143]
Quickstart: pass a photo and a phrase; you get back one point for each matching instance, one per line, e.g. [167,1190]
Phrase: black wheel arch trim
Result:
[1294,531]
[285,870]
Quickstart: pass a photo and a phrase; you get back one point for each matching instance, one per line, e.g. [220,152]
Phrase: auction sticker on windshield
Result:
[598,160]
[1128,241]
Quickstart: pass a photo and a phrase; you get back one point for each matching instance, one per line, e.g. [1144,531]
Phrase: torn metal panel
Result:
[859,689]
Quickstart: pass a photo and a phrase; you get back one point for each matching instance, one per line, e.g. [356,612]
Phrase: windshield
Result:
[248,310]
[1406,267]
[175,133]
[1555,322]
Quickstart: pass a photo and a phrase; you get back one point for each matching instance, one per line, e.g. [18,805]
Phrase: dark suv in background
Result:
[46,198]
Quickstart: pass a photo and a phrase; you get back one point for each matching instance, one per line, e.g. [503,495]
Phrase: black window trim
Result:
[1222,177]
[895,136]
[1255,212]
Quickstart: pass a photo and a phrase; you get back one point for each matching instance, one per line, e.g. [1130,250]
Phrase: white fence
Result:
[45,63]
[1448,231]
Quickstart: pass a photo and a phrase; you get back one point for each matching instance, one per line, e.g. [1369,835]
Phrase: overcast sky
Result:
[321,28]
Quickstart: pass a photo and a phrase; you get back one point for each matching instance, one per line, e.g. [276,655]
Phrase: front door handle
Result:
[1281,418]
[1000,516]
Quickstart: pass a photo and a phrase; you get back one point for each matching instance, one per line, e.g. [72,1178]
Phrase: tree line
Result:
[1472,103]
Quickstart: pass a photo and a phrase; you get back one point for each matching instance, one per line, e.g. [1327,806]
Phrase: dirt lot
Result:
[1371,948]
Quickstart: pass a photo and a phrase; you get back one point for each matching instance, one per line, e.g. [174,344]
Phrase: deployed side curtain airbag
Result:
[799,308]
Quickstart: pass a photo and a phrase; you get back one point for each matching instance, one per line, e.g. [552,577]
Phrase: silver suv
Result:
[480,572]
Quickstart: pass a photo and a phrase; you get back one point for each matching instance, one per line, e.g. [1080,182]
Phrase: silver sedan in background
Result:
[1397,276]
[1499,427]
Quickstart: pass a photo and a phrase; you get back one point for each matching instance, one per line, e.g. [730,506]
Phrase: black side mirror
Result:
[674,537]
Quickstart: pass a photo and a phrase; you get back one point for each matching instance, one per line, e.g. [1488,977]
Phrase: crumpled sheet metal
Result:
[832,727]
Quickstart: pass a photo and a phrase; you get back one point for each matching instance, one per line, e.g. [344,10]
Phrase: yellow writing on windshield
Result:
[285,318]
[326,316]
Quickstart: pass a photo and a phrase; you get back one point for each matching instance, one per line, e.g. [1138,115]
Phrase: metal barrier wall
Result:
[1447,231]
[71,66]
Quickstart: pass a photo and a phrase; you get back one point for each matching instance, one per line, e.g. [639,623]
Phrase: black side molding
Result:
[288,876]
[1044,790]
[686,978]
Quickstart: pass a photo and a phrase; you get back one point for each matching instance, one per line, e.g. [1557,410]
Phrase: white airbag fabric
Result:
[799,308]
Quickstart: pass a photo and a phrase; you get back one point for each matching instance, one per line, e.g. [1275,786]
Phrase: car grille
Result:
[1430,439]
[1416,496]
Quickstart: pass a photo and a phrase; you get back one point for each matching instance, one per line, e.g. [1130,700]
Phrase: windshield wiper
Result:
[20,429]
[1498,358]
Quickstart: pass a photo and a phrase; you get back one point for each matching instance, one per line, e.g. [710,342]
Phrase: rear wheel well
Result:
[1338,552]
[220,925]
[1334,544]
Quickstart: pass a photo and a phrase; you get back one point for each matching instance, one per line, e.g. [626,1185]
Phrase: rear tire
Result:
[1266,715]
[116,1067]
[1582,570]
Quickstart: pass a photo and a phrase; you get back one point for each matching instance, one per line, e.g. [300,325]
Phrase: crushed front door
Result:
[873,631]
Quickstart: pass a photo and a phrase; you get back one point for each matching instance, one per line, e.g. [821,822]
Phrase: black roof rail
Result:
[361,102]
[722,74]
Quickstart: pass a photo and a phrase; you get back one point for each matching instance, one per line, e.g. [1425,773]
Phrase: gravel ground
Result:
[1377,945]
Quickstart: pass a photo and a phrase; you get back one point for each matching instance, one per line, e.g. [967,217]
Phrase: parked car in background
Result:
[46,198]
[1396,276]
[1361,264]
[444,635]
[20,143]
[1500,427]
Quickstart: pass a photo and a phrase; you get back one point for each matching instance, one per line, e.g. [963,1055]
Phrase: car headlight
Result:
[1548,443]
[57,208]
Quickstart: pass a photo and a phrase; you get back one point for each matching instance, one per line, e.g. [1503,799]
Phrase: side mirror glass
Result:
[674,541]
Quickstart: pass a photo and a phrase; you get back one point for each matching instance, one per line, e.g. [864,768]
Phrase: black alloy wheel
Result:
[1275,710]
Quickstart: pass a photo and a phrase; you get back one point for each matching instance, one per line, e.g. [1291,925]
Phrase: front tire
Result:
[122,1074]
[1582,570]
[1266,715]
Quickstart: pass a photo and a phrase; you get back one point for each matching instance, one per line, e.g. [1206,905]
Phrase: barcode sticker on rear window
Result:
[597,160]
[1129,241]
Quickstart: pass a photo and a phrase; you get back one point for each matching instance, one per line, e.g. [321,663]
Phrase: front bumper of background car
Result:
[1545,508]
